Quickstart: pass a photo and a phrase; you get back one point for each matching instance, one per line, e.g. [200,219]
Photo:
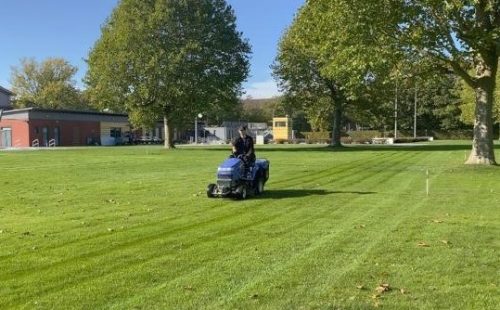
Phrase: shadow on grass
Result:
[376,148]
[297,193]
[415,147]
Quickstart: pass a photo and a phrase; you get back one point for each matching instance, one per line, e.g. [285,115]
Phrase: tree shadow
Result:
[265,148]
[407,147]
[415,147]
[297,193]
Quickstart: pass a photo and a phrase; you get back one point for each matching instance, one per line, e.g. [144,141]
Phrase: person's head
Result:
[243,131]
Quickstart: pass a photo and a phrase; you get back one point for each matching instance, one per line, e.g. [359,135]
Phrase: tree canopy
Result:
[328,55]
[168,58]
[346,41]
[48,84]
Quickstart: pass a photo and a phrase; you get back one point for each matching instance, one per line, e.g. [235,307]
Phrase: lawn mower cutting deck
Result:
[237,181]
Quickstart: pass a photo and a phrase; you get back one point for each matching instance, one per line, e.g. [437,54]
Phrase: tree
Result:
[169,59]
[48,84]
[460,34]
[329,53]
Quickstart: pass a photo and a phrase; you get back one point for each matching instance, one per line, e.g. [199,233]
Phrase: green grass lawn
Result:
[131,227]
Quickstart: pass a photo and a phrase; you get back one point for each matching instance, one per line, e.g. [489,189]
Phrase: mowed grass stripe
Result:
[103,225]
[345,168]
[309,263]
[216,262]
[216,270]
[339,286]
[195,225]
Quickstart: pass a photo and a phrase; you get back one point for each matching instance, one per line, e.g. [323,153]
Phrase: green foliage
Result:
[168,58]
[330,55]
[48,84]
[261,110]
[317,136]
[298,76]
[461,34]
[107,229]
[457,134]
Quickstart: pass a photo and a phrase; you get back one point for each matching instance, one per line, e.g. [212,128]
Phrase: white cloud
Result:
[262,90]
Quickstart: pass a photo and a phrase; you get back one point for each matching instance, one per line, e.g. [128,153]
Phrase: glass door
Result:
[45,135]
[5,137]
[57,136]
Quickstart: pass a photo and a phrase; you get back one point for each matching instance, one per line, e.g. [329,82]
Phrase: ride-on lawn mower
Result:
[237,180]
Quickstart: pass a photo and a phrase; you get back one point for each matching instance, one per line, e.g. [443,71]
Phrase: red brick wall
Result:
[20,130]
[71,133]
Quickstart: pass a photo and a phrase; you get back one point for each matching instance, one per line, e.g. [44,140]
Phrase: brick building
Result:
[46,127]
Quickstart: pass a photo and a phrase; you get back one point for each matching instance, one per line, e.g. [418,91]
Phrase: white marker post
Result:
[427,182]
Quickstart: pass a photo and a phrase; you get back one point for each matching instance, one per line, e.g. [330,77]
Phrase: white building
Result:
[229,130]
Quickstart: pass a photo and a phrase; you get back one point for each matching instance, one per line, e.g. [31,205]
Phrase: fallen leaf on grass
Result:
[423,245]
[254,296]
[360,287]
[188,288]
[437,221]
[446,242]
[383,288]
[402,291]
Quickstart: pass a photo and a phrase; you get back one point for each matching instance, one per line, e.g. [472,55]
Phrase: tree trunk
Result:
[337,123]
[169,133]
[483,151]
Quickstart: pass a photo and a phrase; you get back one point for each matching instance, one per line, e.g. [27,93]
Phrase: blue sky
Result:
[68,29]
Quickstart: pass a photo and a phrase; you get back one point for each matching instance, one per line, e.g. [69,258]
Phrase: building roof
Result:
[28,114]
[6,91]
[17,111]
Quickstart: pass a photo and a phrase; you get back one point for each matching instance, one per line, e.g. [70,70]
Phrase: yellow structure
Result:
[282,129]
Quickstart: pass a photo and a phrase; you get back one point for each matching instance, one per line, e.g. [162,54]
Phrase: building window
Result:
[116,132]
[279,124]
[37,130]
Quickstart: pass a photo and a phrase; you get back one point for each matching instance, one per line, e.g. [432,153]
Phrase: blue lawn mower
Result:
[236,180]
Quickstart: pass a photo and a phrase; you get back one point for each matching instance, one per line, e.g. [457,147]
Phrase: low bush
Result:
[458,134]
[365,136]
[410,139]
[314,137]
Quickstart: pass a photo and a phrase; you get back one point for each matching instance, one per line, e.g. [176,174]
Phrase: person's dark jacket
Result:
[244,146]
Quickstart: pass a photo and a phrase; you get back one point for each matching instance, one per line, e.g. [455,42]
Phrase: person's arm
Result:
[234,142]
[250,147]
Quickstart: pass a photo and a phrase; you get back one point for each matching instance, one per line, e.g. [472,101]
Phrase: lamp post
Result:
[415,114]
[396,112]
[196,127]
